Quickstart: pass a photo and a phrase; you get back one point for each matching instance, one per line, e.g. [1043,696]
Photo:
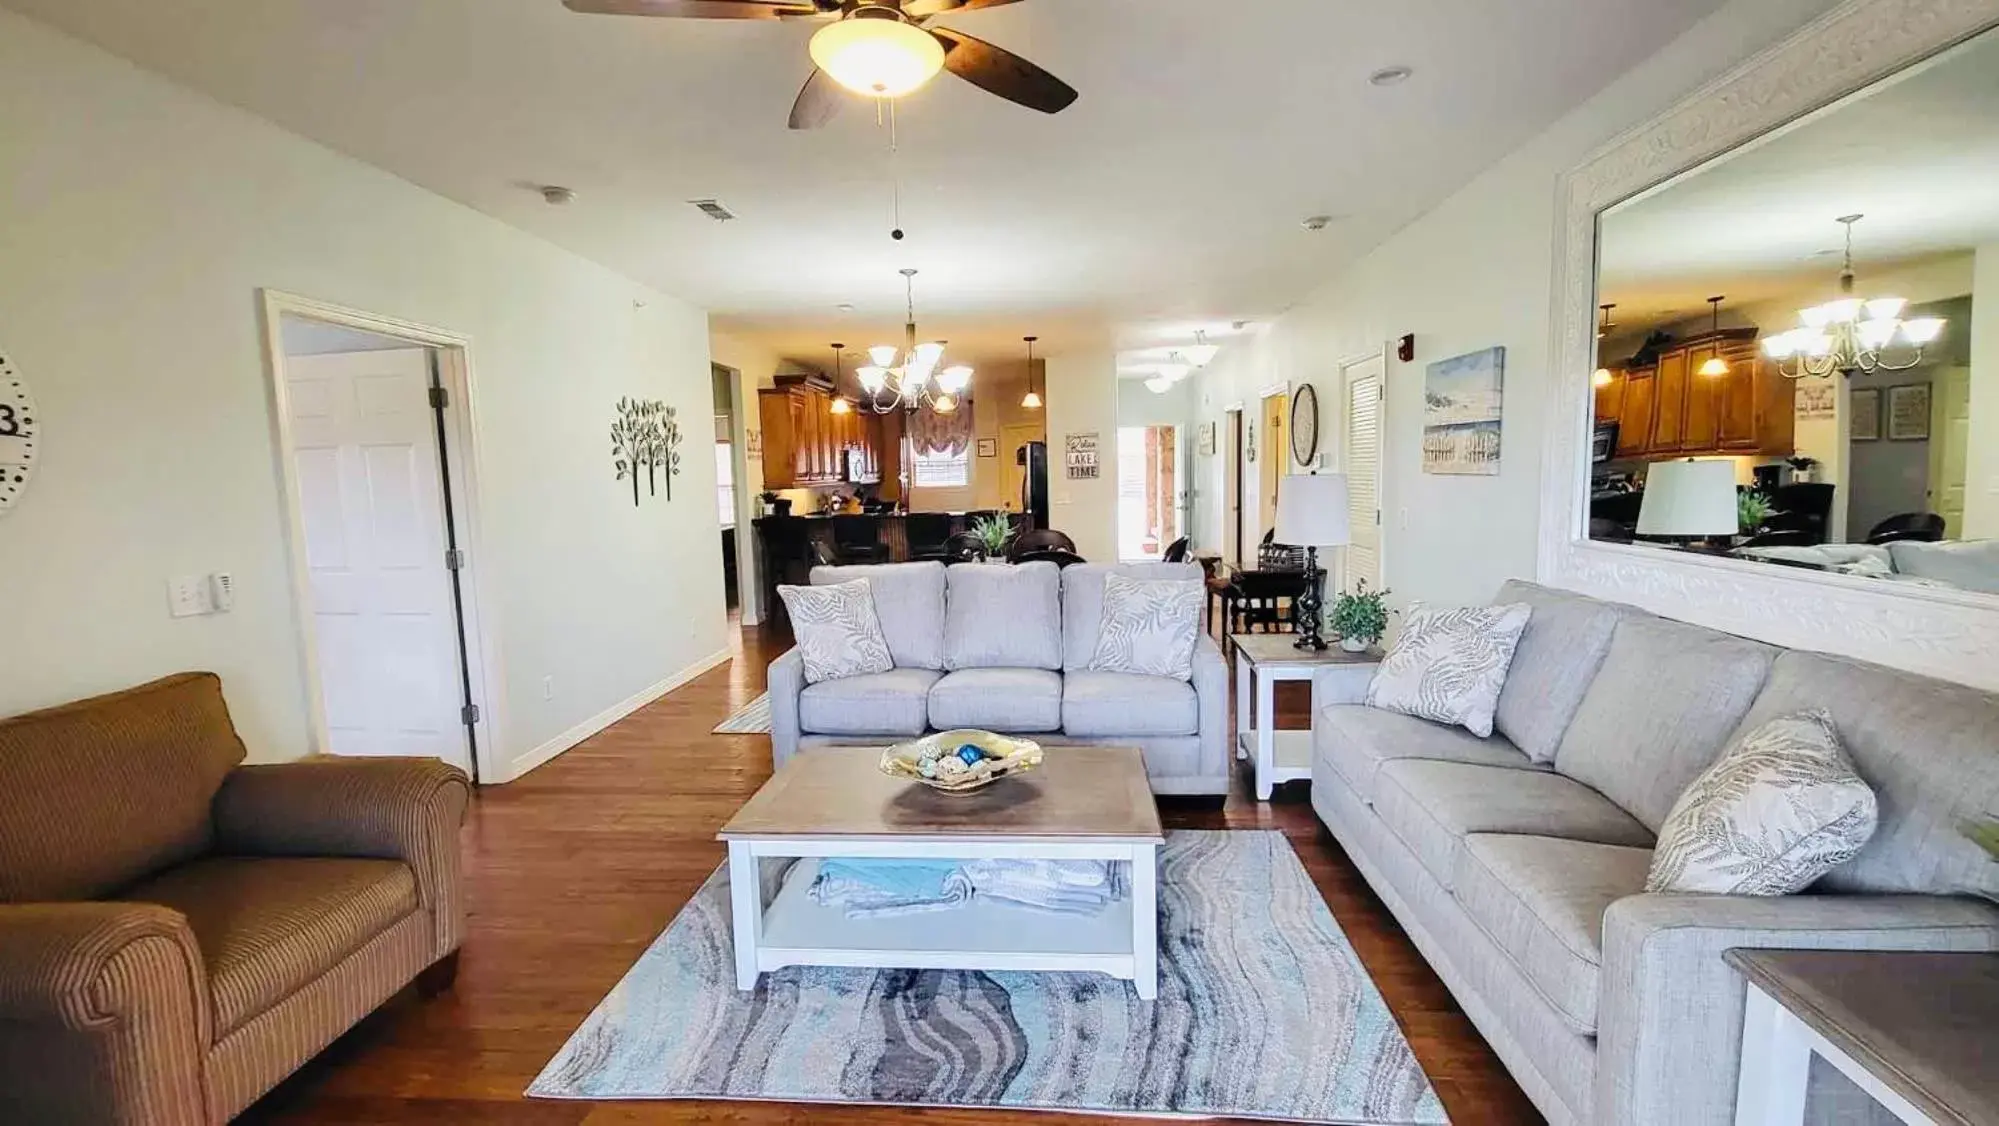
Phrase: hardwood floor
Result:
[576,868]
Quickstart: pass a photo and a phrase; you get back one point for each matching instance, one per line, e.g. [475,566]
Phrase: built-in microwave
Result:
[1603,443]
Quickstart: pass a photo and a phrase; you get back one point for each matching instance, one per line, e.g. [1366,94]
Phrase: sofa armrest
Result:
[406,809]
[784,682]
[1335,685]
[1211,694]
[104,1014]
[1669,1024]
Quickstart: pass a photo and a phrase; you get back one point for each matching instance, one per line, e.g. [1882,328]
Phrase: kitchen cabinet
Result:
[1664,407]
[807,444]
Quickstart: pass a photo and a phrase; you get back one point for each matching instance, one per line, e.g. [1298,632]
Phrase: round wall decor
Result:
[18,428]
[1305,425]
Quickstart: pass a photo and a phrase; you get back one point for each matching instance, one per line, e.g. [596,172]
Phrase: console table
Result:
[1914,1031]
[1261,660]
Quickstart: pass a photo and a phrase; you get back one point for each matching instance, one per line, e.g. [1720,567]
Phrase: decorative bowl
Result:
[1000,756]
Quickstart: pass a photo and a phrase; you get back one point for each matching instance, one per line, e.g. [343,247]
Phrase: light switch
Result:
[188,596]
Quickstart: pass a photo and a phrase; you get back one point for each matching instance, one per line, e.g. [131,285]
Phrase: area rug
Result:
[752,719]
[1264,1012]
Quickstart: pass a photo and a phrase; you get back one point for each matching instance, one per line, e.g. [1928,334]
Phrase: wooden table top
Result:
[1089,793]
[1282,649]
[1921,1023]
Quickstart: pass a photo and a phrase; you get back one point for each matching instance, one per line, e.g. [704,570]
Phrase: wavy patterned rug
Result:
[752,718]
[1263,1012]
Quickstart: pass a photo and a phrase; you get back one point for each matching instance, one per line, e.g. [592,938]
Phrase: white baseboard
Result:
[542,754]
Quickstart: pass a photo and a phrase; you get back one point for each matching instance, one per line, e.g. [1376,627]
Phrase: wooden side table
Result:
[1261,660]
[1912,1030]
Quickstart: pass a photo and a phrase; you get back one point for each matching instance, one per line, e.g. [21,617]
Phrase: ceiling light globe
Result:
[1602,378]
[954,379]
[944,404]
[1201,355]
[1159,385]
[1922,330]
[1031,401]
[1714,367]
[873,379]
[884,355]
[881,58]
[1877,334]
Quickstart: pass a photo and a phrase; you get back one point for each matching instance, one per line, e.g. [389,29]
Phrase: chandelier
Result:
[913,376]
[1851,333]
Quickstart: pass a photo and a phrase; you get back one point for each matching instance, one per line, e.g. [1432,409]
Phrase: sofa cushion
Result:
[1000,616]
[1149,626]
[1432,806]
[909,601]
[1355,740]
[1083,602]
[1449,664]
[268,926]
[1118,703]
[1012,700]
[839,635]
[105,791]
[1558,655]
[896,702]
[1541,900]
[1664,703]
[1930,751]
[1968,565]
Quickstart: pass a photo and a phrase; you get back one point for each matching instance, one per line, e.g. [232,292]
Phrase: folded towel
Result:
[1063,887]
[872,889]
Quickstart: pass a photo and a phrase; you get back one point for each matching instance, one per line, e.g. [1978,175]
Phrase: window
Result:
[725,483]
[938,470]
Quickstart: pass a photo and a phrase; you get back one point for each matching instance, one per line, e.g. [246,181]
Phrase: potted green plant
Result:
[1751,509]
[1360,617]
[993,534]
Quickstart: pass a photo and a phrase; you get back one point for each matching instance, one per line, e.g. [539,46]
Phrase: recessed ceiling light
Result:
[1317,222]
[556,195]
[1390,75]
[845,307]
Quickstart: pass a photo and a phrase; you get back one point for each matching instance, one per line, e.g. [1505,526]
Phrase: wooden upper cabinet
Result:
[1634,420]
[1701,429]
[805,443]
[1669,417]
[1610,398]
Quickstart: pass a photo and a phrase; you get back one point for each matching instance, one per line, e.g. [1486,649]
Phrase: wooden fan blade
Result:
[997,70]
[696,9]
[923,9]
[817,102]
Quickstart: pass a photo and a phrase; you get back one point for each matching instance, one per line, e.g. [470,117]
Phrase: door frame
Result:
[749,588]
[1344,367]
[480,640]
[1233,468]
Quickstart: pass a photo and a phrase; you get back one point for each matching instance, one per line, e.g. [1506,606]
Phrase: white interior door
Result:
[1950,446]
[1363,469]
[386,637]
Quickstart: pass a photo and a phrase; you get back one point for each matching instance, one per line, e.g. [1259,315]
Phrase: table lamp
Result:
[1312,513]
[1689,500]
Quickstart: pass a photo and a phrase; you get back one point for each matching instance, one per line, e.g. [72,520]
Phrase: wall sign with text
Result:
[1079,456]
[18,430]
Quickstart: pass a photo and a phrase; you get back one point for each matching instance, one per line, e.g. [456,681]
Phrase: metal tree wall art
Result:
[645,440]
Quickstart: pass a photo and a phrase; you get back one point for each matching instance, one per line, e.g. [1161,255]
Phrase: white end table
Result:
[1261,660]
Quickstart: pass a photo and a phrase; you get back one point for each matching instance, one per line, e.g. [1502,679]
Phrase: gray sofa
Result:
[1523,884]
[1007,648]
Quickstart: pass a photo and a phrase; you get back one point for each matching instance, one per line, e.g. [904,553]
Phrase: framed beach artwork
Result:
[1462,397]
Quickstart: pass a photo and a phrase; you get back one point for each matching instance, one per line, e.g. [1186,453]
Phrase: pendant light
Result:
[1603,378]
[1715,367]
[840,403]
[1032,400]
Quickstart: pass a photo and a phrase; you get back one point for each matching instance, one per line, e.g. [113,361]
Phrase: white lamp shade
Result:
[1689,498]
[1312,510]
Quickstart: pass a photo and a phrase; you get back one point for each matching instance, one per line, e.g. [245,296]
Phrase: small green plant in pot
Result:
[993,534]
[1751,510]
[1360,617]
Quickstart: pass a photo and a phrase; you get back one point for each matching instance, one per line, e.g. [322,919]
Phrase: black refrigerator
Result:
[1032,457]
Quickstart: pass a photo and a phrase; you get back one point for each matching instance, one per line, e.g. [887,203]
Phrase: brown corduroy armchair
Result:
[179,932]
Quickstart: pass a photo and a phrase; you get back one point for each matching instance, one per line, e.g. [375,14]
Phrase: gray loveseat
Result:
[1007,648]
[1523,884]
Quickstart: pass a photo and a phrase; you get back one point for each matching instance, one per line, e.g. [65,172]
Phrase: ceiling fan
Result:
[878,48]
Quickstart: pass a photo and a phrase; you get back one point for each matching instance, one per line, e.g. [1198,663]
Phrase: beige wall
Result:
[1082,397]
[140,221]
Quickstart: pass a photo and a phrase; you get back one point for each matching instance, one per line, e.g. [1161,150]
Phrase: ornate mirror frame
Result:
[1945,633]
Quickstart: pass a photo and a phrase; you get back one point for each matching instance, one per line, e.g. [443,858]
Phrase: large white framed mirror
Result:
[1778,401]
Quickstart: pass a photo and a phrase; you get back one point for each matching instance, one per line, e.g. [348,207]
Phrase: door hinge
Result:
[439,398]
[454,560]
[470,714]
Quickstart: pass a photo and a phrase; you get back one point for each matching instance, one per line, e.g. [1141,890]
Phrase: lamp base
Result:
[1306,612]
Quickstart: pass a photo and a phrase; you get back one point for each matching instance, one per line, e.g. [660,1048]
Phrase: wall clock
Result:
[1305,425]
[18,427]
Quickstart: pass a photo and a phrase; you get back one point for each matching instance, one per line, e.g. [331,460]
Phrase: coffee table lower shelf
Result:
[792,930]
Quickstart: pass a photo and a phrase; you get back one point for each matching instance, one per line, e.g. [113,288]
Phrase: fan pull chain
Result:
[894,174]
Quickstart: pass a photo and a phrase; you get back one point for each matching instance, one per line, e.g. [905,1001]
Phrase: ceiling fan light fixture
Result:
[877,55]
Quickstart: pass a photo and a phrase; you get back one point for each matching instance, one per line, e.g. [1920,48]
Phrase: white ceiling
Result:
[1170,196]
[1917,155]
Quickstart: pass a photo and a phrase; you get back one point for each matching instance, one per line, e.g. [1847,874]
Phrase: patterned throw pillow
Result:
[1781,807]
[1149,626]
[1449,665]
[837,629]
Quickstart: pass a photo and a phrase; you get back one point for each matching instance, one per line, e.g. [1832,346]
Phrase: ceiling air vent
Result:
[713,209]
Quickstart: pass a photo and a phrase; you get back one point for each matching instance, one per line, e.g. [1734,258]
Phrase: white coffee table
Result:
[1084,803]
[1261,660]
